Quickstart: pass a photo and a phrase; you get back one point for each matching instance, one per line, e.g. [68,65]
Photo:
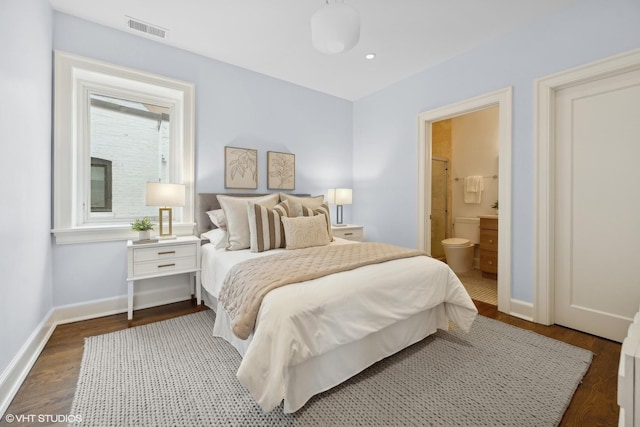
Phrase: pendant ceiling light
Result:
[335,28]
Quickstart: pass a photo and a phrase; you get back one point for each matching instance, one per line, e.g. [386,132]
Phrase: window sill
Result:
[109,233]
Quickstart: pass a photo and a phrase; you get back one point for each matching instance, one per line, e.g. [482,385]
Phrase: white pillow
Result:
[217,237]
[217,218]
[296,203]
[305,231]
[235,211]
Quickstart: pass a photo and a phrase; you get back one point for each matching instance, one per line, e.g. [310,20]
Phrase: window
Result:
[135,137]
[115,130]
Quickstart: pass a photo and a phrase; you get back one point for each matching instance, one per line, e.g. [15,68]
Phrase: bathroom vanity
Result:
[489,246]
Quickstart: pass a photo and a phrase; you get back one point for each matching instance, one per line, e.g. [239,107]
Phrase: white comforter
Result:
[303,320]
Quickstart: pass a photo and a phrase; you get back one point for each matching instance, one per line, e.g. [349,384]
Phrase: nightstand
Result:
[163,258]
[349,232]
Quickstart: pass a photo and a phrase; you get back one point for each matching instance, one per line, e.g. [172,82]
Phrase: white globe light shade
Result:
[335,28]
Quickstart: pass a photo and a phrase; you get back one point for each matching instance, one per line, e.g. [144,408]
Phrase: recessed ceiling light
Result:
[370,56]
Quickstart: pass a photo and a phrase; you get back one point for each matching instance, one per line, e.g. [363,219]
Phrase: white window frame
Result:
[75,77]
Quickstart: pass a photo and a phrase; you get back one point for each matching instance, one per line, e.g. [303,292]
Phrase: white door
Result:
[596,237]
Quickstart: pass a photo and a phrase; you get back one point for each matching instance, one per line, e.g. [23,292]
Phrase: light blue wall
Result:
[234,107]
[25,172]
[386,127]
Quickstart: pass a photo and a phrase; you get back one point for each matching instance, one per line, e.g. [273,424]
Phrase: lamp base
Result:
[167,237]
[165,220]
[338,225]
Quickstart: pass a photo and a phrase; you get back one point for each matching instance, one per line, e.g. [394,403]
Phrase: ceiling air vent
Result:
[138,25]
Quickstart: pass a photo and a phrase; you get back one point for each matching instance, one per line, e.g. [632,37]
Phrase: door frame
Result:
[502,98]
[544,181]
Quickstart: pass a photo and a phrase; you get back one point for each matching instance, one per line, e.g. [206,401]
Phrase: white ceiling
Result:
[273,37]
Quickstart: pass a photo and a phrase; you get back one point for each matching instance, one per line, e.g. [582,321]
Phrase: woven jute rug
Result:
[175,373]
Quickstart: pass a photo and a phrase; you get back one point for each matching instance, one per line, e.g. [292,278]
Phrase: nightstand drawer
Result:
[349,233]
[164,253]
[164,266]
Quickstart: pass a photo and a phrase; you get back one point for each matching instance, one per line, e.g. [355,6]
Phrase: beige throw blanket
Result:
[248,282]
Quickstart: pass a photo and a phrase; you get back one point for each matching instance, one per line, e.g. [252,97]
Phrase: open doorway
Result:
[466,147]
[502,101]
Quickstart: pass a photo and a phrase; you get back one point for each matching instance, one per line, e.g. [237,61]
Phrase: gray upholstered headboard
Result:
[208,201]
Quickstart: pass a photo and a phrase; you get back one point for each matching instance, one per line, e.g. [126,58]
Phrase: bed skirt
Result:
[322,372]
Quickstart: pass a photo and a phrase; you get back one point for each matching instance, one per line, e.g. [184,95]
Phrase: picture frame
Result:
[240,168]
[281,171]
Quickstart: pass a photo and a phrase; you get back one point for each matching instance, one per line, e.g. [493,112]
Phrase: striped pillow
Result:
[265,226]
[322,210]
[296,203]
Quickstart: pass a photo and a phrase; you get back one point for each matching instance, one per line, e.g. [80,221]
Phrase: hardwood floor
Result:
[50,386]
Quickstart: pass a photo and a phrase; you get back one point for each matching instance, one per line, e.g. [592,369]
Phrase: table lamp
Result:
[339,197]
[166,196]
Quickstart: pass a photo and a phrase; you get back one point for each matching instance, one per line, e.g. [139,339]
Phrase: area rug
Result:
[175,373]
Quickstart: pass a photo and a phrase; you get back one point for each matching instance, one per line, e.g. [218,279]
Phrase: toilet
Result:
[458,250]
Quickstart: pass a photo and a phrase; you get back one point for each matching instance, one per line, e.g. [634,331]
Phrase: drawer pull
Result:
[490,262]
[348,234]
[166,253]
[490,240]
[166,265]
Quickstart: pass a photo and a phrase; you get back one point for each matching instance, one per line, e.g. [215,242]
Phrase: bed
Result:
[313,335]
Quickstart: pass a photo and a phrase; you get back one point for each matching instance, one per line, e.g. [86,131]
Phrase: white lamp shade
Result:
[162,194]
[340,196]
[335,28]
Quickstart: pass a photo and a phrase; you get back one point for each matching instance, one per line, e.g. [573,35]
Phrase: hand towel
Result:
[473,186]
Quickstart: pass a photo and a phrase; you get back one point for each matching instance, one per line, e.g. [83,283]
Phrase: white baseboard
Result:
[15,374]
[106,307]
[521,309]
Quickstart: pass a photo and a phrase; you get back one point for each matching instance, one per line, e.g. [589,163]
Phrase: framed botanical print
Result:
[240,168]
[281,171]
